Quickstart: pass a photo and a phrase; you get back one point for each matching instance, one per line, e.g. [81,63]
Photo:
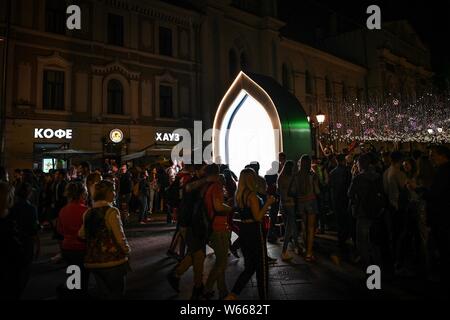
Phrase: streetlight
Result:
[320,117]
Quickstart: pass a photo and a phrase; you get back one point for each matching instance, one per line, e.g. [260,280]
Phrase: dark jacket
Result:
[125,184]
[365,194]
[144,187]
[59,200]
[340,180]
[25,218]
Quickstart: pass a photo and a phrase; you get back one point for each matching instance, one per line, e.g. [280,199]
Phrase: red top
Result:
[214,190]
[184,178]
[220,223]
[69,223]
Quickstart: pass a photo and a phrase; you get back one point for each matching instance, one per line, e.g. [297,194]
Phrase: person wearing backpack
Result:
[193,227]
[107,248]
[220,232]
[174,199]
[367,201]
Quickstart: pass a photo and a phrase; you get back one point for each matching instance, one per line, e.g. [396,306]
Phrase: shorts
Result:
[308,208]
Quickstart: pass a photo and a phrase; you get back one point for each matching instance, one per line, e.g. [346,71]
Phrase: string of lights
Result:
[424,120]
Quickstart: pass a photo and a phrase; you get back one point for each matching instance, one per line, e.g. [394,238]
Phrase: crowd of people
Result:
[391,209]
[85,210]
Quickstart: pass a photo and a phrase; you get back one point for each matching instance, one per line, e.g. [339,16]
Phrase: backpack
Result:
[201,223]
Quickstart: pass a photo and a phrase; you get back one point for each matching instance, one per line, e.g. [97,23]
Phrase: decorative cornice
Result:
[153,12]
[56,59]
[116,67]
[167,76]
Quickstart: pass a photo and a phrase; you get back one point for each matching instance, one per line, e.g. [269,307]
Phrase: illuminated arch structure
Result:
[256,120]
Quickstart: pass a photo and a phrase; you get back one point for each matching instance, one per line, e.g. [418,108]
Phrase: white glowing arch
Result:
[247,127]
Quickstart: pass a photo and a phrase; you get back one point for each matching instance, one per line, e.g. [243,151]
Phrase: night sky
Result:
[430,19]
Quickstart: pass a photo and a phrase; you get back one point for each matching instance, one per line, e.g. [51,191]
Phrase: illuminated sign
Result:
[116,135]
[167,137]
[50,133]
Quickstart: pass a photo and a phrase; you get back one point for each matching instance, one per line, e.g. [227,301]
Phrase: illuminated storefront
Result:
[39,144]
[256,120]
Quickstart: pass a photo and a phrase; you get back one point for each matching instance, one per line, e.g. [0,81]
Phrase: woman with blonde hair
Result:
[107,248]
[253,244]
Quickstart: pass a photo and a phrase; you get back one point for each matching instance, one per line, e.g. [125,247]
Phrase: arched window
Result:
[328,89]
[308,83]
[115,97]
[232,64]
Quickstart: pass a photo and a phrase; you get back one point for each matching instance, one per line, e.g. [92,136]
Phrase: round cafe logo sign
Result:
[116,135]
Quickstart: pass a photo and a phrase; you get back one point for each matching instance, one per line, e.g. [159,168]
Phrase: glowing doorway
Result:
[247,134]
[256,119]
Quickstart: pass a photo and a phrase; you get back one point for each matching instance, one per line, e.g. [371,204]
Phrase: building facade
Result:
[397,61]
[146,67]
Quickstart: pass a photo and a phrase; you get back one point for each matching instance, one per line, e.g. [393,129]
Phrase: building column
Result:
[97,96]
[134,99]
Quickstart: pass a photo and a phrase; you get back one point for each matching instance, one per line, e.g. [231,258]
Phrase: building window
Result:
[328,89]
[308,83]
[232,64]
[165,41]
[286,76]
[55,16]
[166,101]
[115,97]
[390,67]
[115,30]
[53,94]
